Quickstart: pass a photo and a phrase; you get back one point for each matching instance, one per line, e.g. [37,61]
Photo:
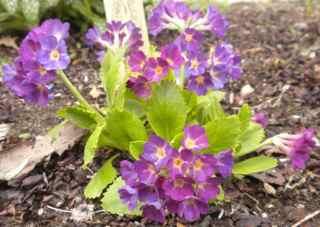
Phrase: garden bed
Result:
[280,48]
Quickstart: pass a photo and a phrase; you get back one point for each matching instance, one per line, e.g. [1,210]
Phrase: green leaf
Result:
[105,176]
[123,127]
[11,6]
[245,116]
[190,99]
[254,165]
[112,203]
[223,133]
[250,139]
[176,141]
[30,10]
[136,148]
[209,107]
[92,145]
[80,116]
[167,110]
[113,78]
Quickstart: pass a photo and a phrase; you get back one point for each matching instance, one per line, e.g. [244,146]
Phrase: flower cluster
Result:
[118,35]
[197,70]
[180,181]
[41,54]
[296,146]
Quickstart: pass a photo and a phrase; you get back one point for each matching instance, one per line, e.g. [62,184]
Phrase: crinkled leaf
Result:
[209,107]
[80,116]
[112,203]
[136,148]
[166,110]
[105,176]
[30,10]
[122,127]
[176,141]
[250,139]
[245,116]
[11,6]
[92,145]
[254,165]
[223,133]
[113,78]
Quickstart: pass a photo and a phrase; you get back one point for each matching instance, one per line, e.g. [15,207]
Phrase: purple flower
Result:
[128,172]
[179,188]
[171,53]
[153,213]
[297,147]
[53,54]
[208,189]
[156,69]
[38,73]
[118,36]
[192,208]
[261,119]
[146,171]
[179,164]
[157,151]
[203,167]
[54,27]
[224,163]
[149,195]
[195,138]
[129,196]
[190,40]
[136,61]
[196,64]
[140,85]
[200,84]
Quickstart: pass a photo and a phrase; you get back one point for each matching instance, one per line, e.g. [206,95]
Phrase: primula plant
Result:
[162,111]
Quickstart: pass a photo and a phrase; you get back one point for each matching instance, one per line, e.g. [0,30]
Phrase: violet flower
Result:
[296,146]
[200,84]
[261,119]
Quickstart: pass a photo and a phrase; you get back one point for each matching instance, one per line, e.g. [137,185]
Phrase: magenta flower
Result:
[129,195]
[261,119]
[136,61]
[128,172]
[200,84]
[224,163]
[157,151]
[140,85]
[208,190]
[147,172]
[203,167]
[195,138]
[171,53]
[190,40]
[53,55]
[297,147]
[153,213]
[180,162]
[156,69]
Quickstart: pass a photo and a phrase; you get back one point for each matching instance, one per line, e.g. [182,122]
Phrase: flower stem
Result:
[73,89]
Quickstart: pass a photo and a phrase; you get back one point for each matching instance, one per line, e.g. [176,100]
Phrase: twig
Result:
[58,210]
[307,218]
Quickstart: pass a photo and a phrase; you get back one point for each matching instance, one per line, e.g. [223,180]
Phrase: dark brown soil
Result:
[280,48]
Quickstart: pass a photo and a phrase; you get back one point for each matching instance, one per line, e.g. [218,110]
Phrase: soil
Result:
[280,48]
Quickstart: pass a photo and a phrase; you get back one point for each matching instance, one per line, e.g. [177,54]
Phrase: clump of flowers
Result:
[196,69]
[181,181]
[42,52]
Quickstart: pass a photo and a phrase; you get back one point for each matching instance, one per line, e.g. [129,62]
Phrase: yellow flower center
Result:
[42,71]
[194,63]
[160,153]
[159,70]
[177,162]
[189,143]
[188,37]
[200,80]
[198,164]
[179,183]
[55,55]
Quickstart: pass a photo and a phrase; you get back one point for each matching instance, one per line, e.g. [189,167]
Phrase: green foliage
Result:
[80,116]
[111,201]
[92,145]
[167,110]
[22,15]
[223,133]
[245,116]
[105,176]
[114,78]
[250,139]
[136,148]
[209,107]
[122,127]
[254,165]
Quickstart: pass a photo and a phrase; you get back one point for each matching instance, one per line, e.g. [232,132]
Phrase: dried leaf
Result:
[9,41]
